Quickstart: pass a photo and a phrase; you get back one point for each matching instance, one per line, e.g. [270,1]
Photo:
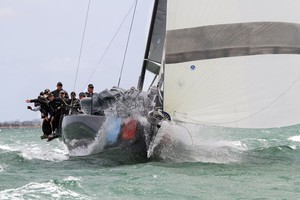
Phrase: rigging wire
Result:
[129,34]
[152,83]
[81,46]
[110,43]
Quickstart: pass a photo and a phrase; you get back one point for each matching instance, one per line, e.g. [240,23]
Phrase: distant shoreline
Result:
[20,127]
[21,124]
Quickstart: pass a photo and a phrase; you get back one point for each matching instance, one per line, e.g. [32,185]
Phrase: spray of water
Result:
[132,104]
[191,143]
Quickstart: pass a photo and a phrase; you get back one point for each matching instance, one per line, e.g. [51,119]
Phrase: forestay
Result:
[233,63]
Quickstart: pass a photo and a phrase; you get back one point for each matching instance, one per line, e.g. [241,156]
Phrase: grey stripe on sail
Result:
[229,40]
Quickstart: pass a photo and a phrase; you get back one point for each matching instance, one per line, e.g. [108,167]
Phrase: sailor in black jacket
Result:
[59,87]
[43,107]
[55,106]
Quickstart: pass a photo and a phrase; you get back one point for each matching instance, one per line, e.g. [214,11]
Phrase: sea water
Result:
[209,163]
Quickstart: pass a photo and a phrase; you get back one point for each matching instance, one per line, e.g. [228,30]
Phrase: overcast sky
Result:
[40,42]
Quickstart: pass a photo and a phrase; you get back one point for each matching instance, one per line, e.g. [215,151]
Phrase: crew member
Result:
[65,105]
[81,95]
[59,87]
[74,104]
[42,105]
[55,105]
[46,92]
[90,90]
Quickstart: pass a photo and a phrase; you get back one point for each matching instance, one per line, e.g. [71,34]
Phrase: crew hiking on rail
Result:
[54,105]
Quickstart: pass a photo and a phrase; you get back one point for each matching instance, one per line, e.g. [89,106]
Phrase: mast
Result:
[143,71]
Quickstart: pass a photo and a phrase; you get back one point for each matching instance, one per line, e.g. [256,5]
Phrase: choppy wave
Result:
[295,138]
[52,189]
[36,151]
[178,143]
[274,154]
[40,153]
[7,148]
[1,168]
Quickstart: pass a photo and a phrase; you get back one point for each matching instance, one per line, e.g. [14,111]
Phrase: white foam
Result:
[72,178]
[295,138]
[1,168]
[7,148]
[178,143]
[33,190]
[43,153]
[40,151]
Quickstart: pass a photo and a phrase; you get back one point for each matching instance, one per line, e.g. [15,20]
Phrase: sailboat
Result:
[219,63]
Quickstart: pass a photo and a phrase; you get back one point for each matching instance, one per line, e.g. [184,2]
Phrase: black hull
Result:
[80,131]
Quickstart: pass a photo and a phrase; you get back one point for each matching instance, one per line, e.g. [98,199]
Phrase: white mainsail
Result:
[232,63]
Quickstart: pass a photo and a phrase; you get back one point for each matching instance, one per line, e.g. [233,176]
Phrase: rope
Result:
[129,34]
[81,46]
[110,43]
